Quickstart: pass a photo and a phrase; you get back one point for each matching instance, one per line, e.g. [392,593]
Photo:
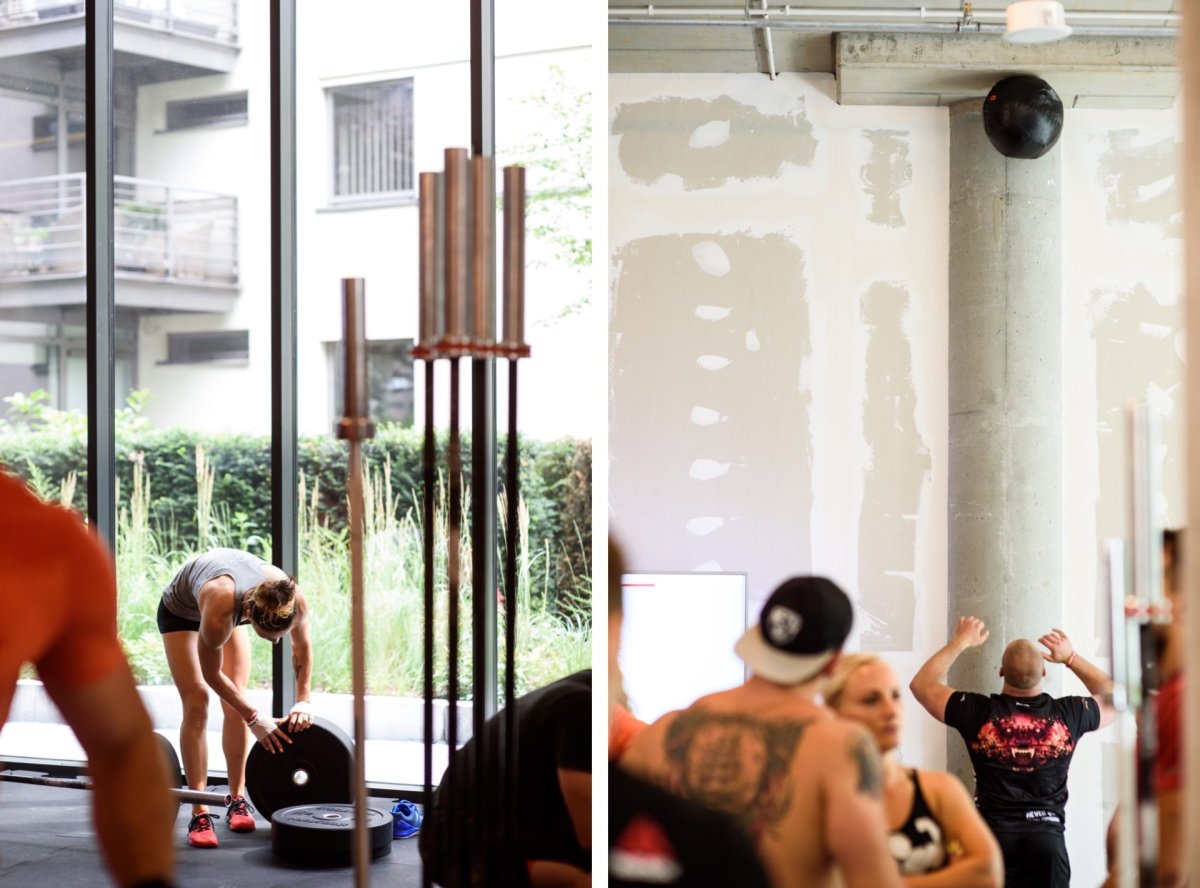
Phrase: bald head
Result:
[1022,664]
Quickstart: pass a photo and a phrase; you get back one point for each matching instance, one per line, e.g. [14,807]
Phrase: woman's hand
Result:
[268,733]
[300,718]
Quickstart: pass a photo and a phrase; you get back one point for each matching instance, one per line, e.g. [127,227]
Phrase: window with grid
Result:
[372,141]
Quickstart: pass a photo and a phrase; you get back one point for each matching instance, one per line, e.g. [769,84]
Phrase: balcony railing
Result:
[161,232]
[216,19]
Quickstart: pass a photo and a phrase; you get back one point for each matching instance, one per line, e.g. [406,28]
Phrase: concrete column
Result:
[1005,372]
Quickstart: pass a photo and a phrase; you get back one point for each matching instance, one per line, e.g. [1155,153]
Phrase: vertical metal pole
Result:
[483,598]
[284,459]
[483,373]
[353,427]
[1126,728]
[483,414]
[101,301]
[430,327]
[1147,589]
[513,346]
[457,342]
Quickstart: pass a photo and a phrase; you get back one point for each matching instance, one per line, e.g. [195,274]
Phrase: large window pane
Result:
[43,344]
[383,90]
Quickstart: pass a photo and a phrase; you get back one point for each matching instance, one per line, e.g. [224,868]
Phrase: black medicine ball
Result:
[1022,116]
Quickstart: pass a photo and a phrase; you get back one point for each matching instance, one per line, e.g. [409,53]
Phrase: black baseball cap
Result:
[802,626]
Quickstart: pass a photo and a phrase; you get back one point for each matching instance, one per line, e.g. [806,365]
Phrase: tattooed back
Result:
[803,784]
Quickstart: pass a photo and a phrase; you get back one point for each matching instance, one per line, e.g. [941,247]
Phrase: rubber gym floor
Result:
[47,841]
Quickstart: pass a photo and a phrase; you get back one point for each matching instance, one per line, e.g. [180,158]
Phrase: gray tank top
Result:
[246,570]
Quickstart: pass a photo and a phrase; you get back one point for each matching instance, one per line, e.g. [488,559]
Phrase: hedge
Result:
[555,478]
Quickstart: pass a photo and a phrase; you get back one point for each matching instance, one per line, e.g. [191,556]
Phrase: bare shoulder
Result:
[941,788]
[941,781]
[833,734]
[215,600]
[646,749]
[849,756]
[216,596]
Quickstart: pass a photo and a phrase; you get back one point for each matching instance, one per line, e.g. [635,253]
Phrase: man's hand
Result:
[300,718]
[1059,645]
[970,632]
[268,733]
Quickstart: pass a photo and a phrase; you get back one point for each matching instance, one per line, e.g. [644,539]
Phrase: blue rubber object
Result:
[406,819]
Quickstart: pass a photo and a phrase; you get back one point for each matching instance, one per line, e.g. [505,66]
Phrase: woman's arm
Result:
[979,865]
[215,600]
[300,718]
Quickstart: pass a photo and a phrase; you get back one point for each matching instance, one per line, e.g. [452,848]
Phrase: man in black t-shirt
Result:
[554,797]
[1020,742]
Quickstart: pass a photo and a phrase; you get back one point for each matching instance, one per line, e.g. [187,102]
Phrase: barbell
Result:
[315,768]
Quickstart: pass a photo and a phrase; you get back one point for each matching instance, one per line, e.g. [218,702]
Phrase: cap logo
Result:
[783,625]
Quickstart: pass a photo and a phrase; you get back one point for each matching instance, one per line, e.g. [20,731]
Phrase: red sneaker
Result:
[200,831]
[240,817]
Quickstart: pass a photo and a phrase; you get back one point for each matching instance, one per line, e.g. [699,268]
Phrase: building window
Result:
[389,379]
[372,141]
[227,110]
[208,347]
[45,130]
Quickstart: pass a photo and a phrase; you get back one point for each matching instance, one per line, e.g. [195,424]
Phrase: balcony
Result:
[175,248]
[187,37]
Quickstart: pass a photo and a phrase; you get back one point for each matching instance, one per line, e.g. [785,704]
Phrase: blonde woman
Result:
[936,835]
[200,618]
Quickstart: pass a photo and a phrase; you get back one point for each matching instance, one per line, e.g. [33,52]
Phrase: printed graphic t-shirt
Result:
[1021,748]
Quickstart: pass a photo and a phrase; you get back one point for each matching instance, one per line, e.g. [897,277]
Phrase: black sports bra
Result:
[918,846]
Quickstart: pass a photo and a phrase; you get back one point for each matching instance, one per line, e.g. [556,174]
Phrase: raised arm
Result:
[929,684]
[855,828]
[1061,650]
[975,859]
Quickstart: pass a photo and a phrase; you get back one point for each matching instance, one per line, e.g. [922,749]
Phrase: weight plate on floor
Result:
[313,769]
[174,771]
[323,835]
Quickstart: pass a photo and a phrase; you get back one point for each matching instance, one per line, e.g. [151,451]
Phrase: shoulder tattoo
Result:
[735,764]
[870,772]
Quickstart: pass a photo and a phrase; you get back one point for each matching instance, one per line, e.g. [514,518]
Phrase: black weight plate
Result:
[322,757]
[174,771]
[323,835]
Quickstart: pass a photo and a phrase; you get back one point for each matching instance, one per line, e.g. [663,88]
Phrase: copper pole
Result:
[431,325]
[354,426]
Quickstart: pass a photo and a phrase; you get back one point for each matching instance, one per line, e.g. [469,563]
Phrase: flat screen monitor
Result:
[677,638]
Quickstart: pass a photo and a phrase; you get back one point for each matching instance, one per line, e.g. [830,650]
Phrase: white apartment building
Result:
[382,89]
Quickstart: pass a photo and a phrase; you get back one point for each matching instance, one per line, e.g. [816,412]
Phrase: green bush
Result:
[555,479]
[180,492]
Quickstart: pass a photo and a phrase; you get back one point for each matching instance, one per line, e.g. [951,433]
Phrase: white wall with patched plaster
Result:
[778,345]
[778,339]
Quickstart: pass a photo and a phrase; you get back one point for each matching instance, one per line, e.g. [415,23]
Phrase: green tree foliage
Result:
[558,158]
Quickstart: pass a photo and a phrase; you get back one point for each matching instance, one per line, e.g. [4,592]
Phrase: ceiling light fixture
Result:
[1036,21]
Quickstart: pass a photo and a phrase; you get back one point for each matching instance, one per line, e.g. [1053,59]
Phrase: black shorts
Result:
[1035,859]
[169,622]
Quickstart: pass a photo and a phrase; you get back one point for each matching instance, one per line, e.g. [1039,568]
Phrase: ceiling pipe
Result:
[938,21]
